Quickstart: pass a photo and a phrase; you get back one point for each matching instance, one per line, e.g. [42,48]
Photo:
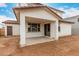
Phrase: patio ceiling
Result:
[37,20]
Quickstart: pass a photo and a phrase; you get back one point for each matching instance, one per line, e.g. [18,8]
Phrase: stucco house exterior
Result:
[38,20]
[11,28]
[75,27]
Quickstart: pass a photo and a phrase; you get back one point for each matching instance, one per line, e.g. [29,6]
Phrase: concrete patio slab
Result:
[37,40]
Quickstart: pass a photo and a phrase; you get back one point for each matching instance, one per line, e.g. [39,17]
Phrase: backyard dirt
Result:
[65,46]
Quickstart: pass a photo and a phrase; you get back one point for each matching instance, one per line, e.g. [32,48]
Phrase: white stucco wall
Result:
[38,13]
[15,28]
[75,26]
[65,29]
[43,14]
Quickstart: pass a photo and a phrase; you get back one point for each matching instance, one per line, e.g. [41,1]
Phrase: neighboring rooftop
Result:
[66,21]
[71,17]
[10,22]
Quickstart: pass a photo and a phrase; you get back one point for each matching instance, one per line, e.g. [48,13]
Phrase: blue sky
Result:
[65,5]
[7,10]
[70,9]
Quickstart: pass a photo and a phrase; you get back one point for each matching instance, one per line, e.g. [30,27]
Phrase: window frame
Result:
[78,20]
[32,27]
[59,28]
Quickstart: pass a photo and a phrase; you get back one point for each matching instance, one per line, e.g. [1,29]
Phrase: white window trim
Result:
[37,27]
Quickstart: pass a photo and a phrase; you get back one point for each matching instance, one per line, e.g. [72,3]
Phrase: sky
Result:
[6,12]
[70,9]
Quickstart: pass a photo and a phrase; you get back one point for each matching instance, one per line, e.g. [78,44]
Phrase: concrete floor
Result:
[37,40]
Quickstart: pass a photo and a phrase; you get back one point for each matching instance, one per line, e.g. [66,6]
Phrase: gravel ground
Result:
[65,46]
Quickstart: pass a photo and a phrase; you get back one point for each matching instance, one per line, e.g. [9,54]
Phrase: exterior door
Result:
[47,29]
[9,30]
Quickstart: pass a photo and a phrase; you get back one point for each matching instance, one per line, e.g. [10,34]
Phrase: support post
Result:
[54,30]
[22,31]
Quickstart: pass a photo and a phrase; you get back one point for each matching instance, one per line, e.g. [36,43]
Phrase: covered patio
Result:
[48,30]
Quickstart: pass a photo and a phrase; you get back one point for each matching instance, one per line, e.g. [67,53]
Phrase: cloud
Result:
[69,12]
[4,18]
[3,5]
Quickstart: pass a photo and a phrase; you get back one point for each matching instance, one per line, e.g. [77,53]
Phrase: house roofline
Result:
[71,17]
[37,6]
[40,6]
[19,8]
[64,21]
[56,9]
[15,22]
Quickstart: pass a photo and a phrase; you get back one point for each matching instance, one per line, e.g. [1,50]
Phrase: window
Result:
[33,27]
[59,28]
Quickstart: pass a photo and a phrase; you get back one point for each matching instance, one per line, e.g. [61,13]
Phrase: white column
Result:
[5,30]
[54,30]
[22,31]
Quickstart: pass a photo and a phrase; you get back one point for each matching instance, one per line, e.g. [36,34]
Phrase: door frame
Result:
[11,31]
[47,29]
